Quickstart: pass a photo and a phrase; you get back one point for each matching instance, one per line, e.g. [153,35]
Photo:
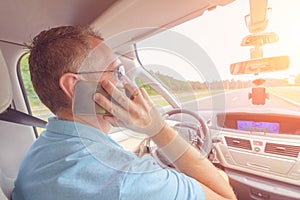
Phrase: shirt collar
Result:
[77,129]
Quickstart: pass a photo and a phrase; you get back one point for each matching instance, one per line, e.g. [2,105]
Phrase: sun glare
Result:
[285,21]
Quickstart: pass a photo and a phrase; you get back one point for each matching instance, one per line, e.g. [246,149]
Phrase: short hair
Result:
[54,52]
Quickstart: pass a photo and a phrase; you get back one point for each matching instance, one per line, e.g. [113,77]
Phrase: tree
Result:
[25,74]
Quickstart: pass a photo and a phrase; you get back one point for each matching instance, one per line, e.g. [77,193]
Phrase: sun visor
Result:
[5,85]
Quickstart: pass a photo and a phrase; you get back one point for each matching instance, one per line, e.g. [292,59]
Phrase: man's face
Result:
[100,64]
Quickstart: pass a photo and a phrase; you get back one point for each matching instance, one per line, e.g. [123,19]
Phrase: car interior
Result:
[247,124]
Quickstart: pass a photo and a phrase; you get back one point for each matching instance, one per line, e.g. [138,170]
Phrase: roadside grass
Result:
[291,93]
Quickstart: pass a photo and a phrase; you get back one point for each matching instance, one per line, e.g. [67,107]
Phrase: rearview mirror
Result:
[262,65]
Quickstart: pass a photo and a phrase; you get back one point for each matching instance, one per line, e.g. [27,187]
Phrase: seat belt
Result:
[15,116]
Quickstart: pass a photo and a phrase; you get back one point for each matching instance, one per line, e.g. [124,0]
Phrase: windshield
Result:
[194,60]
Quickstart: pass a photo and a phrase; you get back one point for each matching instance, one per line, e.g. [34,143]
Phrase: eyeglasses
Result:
[118,73]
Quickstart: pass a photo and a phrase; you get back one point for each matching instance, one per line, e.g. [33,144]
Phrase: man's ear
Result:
[67,83]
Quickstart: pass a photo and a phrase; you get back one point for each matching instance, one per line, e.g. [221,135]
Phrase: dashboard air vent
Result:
[238,143]
[282,149]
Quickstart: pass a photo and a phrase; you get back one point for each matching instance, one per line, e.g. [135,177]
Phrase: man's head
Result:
[53,53]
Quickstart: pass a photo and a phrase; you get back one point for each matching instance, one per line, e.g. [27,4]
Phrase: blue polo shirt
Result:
[72,161]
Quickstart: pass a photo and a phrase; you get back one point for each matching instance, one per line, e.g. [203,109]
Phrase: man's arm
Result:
[191,163]
[139,114]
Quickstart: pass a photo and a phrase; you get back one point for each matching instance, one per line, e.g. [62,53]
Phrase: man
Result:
[75,159]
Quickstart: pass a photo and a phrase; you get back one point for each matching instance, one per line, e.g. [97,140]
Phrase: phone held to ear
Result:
[83,101]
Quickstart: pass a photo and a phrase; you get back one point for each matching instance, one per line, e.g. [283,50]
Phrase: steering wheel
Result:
[200,126]
[195,131]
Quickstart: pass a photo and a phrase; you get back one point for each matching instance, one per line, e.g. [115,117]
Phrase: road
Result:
[238,99]
[232,99]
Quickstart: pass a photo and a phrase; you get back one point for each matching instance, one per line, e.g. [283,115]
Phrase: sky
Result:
[220,31]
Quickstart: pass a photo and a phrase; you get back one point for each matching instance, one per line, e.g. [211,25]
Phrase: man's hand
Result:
[136,113]
[139,114]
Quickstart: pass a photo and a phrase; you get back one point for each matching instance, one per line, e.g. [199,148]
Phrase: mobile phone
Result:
[83,101]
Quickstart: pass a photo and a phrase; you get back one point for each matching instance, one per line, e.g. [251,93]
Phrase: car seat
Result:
[6,186]
[16,126]
[6,183]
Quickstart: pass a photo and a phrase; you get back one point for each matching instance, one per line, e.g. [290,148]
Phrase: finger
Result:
[102,101]
[146,96]
[135,94]
[111,107]
[116,94]
[113,121]
[133,90]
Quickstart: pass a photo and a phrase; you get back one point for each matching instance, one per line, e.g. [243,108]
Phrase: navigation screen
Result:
[267,127]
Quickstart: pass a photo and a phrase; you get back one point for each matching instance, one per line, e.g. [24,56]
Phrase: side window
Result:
[37,108]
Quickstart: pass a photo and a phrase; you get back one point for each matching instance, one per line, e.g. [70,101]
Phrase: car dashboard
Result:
[259,152]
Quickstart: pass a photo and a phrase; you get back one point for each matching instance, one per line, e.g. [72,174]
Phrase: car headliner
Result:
[21,20]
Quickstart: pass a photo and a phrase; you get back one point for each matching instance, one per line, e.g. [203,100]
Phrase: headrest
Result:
[5,85]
